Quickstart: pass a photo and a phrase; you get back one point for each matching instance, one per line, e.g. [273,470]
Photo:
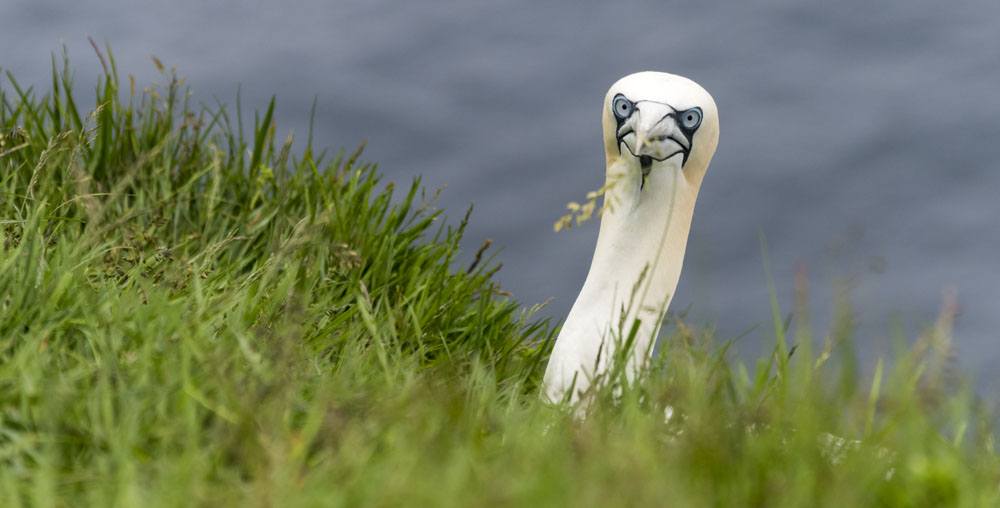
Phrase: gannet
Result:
[660,133]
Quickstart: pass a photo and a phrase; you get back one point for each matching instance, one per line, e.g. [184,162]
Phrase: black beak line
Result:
[646,163]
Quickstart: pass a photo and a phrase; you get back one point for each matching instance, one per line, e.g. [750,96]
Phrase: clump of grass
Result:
[194,316]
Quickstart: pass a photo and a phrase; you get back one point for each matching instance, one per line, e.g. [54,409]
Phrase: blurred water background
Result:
[862,140]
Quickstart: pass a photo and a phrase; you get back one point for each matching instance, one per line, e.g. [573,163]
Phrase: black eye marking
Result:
[690,120]
[622,108]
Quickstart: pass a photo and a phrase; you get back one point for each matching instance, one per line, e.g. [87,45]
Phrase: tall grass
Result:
[192,316]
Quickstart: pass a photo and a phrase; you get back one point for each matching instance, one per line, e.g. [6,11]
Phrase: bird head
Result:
[655,120]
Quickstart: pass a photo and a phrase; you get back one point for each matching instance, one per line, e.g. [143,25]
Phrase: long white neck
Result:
[632,278]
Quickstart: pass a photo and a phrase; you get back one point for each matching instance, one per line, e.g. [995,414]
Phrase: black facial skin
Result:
[620,118]
[687,121]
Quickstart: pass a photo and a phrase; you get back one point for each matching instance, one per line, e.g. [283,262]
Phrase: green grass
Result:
[191,317]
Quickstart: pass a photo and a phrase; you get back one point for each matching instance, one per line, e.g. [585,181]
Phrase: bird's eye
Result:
[622,107]
[691,118]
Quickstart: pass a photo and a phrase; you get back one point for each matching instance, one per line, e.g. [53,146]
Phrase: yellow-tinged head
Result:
[655,119]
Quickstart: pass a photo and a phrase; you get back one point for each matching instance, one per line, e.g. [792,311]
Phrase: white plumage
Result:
[660,132]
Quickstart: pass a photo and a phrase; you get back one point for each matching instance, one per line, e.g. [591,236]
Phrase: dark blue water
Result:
[861,139]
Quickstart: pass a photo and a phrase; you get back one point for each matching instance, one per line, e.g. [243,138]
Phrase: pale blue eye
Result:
[622,107]
[691,118]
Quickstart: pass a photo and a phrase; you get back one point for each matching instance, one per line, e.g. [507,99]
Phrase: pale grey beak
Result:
[657,134]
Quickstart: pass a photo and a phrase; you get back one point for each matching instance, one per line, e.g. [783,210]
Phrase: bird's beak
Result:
[657,135]
[641,142]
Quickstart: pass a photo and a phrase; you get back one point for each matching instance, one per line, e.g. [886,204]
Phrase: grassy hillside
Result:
[191,317]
